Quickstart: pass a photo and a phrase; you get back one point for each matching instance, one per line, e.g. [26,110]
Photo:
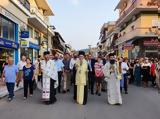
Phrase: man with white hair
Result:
[10,73]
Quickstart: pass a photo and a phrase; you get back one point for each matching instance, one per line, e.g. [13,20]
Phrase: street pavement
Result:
[140,103]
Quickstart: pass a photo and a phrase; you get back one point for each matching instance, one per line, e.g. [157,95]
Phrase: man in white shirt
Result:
[72,68]
[124,82]
[59,64]
[21,64]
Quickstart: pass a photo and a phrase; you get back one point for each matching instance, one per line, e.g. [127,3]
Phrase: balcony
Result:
[137,33]
[136,7]
[38,20]
[25,3]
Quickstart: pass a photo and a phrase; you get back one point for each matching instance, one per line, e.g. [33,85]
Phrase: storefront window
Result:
[0,27]
[30,32]
[7,29]
[11,30]
[36,36]
[3,55]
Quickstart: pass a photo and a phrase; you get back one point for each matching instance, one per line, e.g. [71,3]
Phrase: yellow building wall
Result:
[143,23]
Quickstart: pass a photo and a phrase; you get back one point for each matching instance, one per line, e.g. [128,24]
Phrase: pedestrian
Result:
[21,64]
[10,73]
[28,78]
[99,75]
[153,72]
[111,73]
[104,83]
[131,66]
[146,72]
[158,76]
[137,72]
[124,81]
[59,65]
[81,79]
[67,73]
[50,79]
[91,73]
[38,72]
[72,65]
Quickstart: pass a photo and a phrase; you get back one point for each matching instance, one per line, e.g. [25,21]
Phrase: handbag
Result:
[119,77]
[34,85]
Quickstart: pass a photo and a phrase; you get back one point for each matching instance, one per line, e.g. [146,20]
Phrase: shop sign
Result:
[24,34]
[8,44]
[24,43]
[128,46]
[151,42]
[34,46]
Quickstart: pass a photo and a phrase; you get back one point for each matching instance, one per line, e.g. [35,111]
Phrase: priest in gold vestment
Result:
[81,79]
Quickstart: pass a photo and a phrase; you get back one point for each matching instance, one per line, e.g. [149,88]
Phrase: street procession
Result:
[79,59]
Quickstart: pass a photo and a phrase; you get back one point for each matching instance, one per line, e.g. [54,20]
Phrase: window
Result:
[132,27]
[5,28]
[11,28]
[30,32]
[36,35]
[0,26]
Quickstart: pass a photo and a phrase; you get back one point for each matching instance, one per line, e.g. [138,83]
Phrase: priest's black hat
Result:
[46,53]
[111,54]
[81,53]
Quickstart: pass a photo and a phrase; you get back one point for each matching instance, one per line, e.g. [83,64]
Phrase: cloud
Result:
[75,2]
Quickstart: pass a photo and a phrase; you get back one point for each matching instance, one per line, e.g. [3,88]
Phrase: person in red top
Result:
[99,75]
[152,72]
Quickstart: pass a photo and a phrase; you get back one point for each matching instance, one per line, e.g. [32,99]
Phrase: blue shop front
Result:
[8,39]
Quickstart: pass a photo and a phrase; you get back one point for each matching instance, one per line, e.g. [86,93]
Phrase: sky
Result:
[79,21]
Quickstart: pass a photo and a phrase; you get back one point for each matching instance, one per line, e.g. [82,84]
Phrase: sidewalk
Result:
[3,89]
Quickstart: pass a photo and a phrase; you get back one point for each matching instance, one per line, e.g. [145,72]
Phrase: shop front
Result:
[147,47]
[8,37]
[29,49]
[8,48]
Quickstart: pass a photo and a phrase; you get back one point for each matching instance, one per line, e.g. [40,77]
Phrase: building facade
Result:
[58,44]
[24,28]
[139,28]
[107,38]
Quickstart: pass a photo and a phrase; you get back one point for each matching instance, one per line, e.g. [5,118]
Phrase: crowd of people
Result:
[82,73]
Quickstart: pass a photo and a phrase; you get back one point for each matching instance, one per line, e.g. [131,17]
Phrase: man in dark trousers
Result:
[91,73]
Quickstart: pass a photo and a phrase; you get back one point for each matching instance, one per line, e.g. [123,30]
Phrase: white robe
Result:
[113,84]
[49,72]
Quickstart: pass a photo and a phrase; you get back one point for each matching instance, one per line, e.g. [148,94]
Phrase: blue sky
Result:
[79,21]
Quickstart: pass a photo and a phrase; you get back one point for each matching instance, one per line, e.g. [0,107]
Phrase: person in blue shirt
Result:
[28,76]
[10,73]
[59,65]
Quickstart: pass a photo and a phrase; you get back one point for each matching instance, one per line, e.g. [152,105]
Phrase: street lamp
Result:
[53,27]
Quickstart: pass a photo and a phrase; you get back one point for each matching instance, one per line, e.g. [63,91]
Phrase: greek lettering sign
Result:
[8,44]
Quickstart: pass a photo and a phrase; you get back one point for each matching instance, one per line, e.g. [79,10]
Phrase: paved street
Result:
[140,103]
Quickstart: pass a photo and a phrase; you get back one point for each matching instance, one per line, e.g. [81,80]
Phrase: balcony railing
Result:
[35,11]
[137,4]
[137,32]
[25,3]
